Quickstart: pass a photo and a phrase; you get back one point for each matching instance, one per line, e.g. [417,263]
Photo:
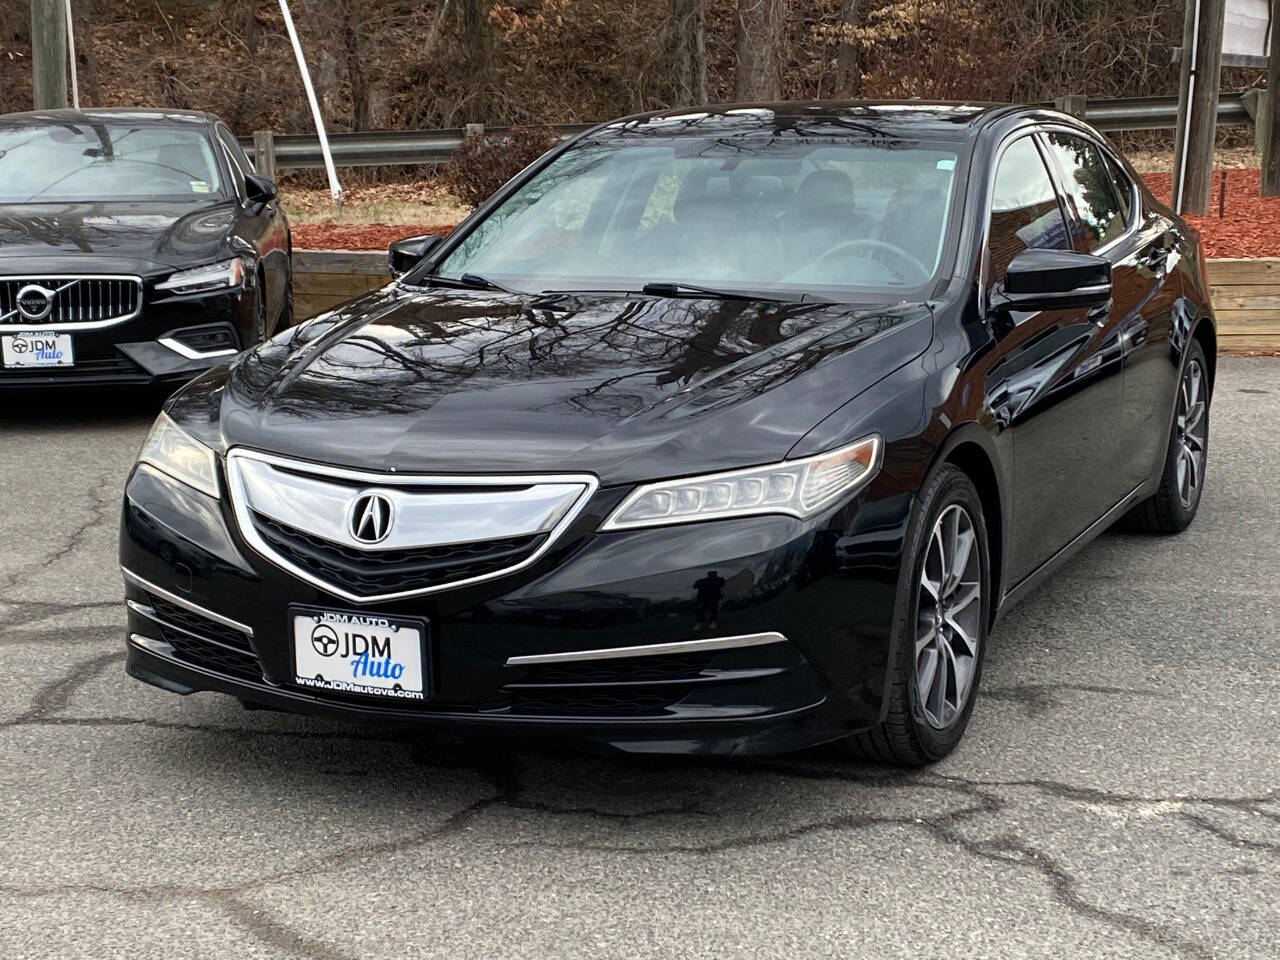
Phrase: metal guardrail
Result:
[404,147]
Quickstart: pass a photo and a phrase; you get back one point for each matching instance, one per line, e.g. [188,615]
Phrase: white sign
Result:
[1244,34]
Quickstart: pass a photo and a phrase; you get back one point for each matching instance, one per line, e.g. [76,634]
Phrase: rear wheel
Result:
[1174,504]
[259,312]
[940,630]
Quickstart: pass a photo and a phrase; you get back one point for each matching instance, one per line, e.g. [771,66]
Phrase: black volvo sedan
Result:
[728,430]
[136,247]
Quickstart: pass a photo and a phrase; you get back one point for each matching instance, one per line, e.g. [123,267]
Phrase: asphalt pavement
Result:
[1117,795]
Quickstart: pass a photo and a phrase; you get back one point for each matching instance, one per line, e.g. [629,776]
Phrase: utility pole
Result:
[1271,146]
[48,54]
[1198,105]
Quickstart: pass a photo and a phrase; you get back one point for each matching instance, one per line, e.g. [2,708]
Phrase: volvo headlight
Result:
[214,276]
[173,451]
[799,488]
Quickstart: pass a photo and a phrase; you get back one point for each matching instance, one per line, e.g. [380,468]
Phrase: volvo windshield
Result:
[50,162]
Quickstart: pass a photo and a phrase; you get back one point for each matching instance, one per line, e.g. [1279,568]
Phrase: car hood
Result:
[626,388]
[137,237]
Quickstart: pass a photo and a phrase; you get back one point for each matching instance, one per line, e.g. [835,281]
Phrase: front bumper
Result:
[207,613]
[166,344]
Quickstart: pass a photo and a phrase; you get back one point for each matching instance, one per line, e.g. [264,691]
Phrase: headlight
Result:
[172,450]
[799,488]
[215,276]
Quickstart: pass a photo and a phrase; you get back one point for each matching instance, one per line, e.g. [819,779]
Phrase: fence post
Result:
[264,153]
[1268,107]
[1072,103]
[1200,84]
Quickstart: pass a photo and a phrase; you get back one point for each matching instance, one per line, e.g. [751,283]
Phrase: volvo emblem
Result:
[370,518]
[35,302]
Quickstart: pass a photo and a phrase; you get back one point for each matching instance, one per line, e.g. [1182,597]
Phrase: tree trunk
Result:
[848,69]
[251,46]
[689,50]
[476,50]
[761,25]
[355,69]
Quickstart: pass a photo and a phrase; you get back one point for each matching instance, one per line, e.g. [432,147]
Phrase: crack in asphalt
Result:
[502,774]
[102,496]
[1010,849]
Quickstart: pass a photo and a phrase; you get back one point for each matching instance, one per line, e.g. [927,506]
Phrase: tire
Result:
[920,726]
[259,312]
[286,311]
[1174,504]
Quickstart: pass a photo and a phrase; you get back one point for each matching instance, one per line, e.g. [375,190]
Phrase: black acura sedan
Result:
[728,430]
[136,247]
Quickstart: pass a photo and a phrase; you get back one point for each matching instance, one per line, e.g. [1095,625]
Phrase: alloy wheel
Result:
[1190,433]
[948,621]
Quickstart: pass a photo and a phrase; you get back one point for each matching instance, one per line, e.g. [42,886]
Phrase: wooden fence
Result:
[1246,293]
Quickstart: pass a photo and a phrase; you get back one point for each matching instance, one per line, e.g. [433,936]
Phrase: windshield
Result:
[841,218]
[109,160]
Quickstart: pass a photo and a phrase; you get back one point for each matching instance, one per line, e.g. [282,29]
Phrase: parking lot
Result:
[1118,794]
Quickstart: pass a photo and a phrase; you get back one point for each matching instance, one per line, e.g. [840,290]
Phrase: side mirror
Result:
[404,255]
[1053,280]
[258,189]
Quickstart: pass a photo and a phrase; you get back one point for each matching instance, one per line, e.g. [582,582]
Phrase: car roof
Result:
[136,114]
[914,119]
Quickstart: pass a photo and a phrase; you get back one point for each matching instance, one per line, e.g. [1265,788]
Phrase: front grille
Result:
[392,571]
[206,643]
[74,300]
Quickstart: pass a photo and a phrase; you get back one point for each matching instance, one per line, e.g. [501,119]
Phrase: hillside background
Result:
[388,63]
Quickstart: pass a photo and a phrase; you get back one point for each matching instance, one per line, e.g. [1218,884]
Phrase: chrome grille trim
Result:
[331,508]
[650,649]
[83,301]
[173,598]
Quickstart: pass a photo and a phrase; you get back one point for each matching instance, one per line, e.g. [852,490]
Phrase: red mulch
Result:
[350,236]
[1249,228]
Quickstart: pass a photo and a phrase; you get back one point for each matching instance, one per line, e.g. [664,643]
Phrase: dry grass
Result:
[424,203]
[1229,158]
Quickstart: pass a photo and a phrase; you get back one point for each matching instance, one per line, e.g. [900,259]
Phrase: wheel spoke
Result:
[1193,473]
[926,674]
[970,642]
[1194,415]
[926,636]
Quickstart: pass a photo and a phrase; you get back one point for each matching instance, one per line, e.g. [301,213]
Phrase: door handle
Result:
[1100,314]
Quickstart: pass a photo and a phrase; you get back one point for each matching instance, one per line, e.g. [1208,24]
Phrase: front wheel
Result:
[940,629]
[1174,504]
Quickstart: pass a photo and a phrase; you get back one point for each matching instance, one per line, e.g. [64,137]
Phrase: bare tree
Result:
[355,68]
[688,20]
[761,28]
[848,69]
[477,50]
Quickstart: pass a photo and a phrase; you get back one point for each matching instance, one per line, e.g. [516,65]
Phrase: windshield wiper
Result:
[680,289]
[473,281]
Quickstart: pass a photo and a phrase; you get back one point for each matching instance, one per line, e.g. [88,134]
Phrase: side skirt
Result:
[1081,540]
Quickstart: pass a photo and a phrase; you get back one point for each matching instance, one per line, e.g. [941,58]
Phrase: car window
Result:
[104,160]
[1024,208]
[236,159]
[1124,188]
[758,213]
[1090,189]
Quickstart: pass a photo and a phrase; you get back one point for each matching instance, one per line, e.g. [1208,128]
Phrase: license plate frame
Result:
[340,621]
[52,349]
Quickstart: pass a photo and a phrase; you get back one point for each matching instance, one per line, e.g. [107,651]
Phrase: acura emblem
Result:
[35,302]
[371,518]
